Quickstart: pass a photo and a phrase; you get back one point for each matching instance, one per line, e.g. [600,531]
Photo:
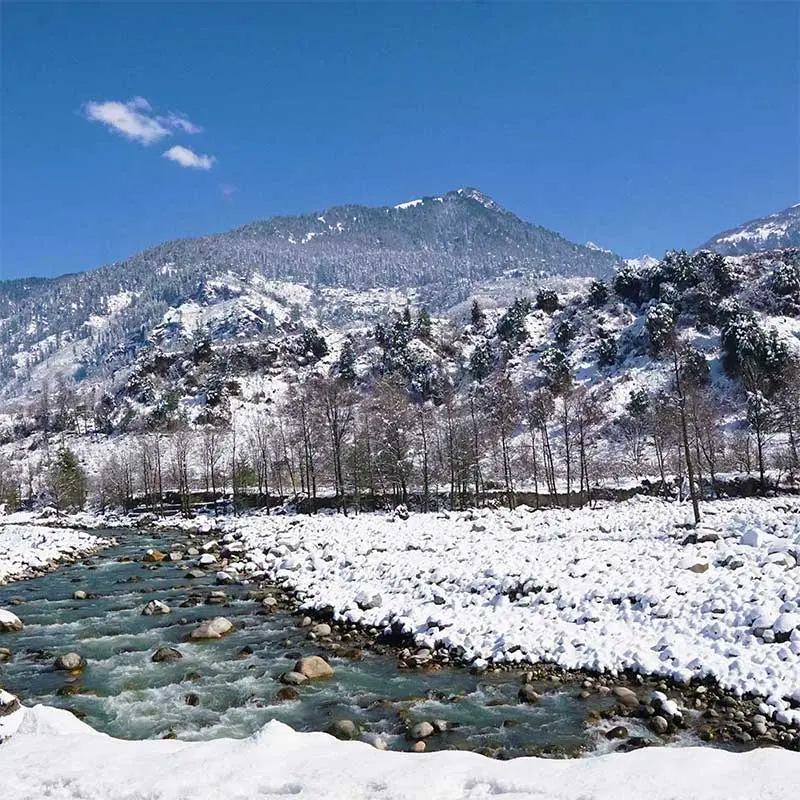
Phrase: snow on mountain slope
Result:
[778,230]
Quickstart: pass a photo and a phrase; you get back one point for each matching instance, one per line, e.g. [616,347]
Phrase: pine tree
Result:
[67,481]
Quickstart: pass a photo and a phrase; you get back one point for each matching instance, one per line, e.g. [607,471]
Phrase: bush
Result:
[598,294]
[547,300]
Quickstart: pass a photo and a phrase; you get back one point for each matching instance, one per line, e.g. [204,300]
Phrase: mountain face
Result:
[778,230]
[436,250]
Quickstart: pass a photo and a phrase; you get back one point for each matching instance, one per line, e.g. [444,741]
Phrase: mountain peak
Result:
[775,231]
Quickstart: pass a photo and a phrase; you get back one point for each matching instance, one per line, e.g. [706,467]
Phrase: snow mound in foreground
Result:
[54,755]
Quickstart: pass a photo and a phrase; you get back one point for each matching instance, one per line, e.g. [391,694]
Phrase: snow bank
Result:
[28,549]
[53,755]
[628,586]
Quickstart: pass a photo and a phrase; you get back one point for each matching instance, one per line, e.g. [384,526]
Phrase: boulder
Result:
[5,655]
[195,573]
[192,699]
[154,608]
[166,654]
[625,696]
[617,732]
[314,667]
[527,694]
[287,693]
[216,598]
[659,725]
[293,678]
[418,747]
[207,559]
[153,556]
[343,729]
[70,662]
[79,595]
[321,629]
[422,730]
[212,629]
[9,622]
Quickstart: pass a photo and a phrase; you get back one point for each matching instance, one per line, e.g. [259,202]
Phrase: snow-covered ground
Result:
[626,586]
[27,549]
[54,755]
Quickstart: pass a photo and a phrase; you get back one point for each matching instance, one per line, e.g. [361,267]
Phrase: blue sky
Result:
[640,126]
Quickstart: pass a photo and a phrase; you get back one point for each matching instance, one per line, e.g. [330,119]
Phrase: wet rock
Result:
[70,662]
[625,696]
[216,598]
[440,725]
[269,602]
[293,678]
[5,655]
[321,629]
[166,654]
[659,725]
[287,693]
[224,578]
[617,732]
[422,730]
[306,622]
[207,559]
[154,608]
[192,699]
[68,691]
[195,573]
[79,595]
[418,747]
[192,551]
[175,556]
[314,667]
[153,556]
[212,629]
[344,729]
[527,694]
[245,651]
[9,623]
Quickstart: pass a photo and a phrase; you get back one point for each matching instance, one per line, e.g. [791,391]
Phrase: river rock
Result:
[79,595]
[293,678]
[207,559]
[269,602]
[527,694]
[343,729]
[212,629]
[321,629]
[192,699]
[314,667]
[166,654]
[625,696]
[216,598]
[617,732]
[195,573]
[9,622]
[153,556]
[418,747]
[175,556]
[287,693]
[70,662]
[659,725]
[154,608]
[192,551]
[5,655]
[422,730]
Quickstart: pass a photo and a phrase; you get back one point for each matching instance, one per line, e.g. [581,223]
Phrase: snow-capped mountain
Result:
[645,261]
[333,268]
[778,230]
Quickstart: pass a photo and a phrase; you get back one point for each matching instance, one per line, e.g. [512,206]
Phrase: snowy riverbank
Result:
[31,549]
[628,586]
[277,762]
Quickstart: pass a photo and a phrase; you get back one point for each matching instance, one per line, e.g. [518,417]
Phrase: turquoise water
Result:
[123,693]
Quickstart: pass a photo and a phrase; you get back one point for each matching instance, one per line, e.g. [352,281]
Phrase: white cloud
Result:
[188,158]
[180,122]
[128,119]
[135,120]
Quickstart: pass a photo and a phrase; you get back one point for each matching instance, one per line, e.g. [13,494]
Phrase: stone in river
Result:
[212,629]
[313,667]
[422,730]
[166,654]
[527,694]
[343,729]
[155,607]
[79,595]
[9,622]
[71,662]
[153,556]
[287,693]
[625,696]
[293,678]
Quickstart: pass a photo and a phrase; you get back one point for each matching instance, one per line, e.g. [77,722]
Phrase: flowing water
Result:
[123,693]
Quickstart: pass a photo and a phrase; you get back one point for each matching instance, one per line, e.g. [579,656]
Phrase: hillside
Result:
[442,248]
[775,231]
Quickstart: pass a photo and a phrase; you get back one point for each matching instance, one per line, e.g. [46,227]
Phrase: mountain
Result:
[435,251]
[778,230]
